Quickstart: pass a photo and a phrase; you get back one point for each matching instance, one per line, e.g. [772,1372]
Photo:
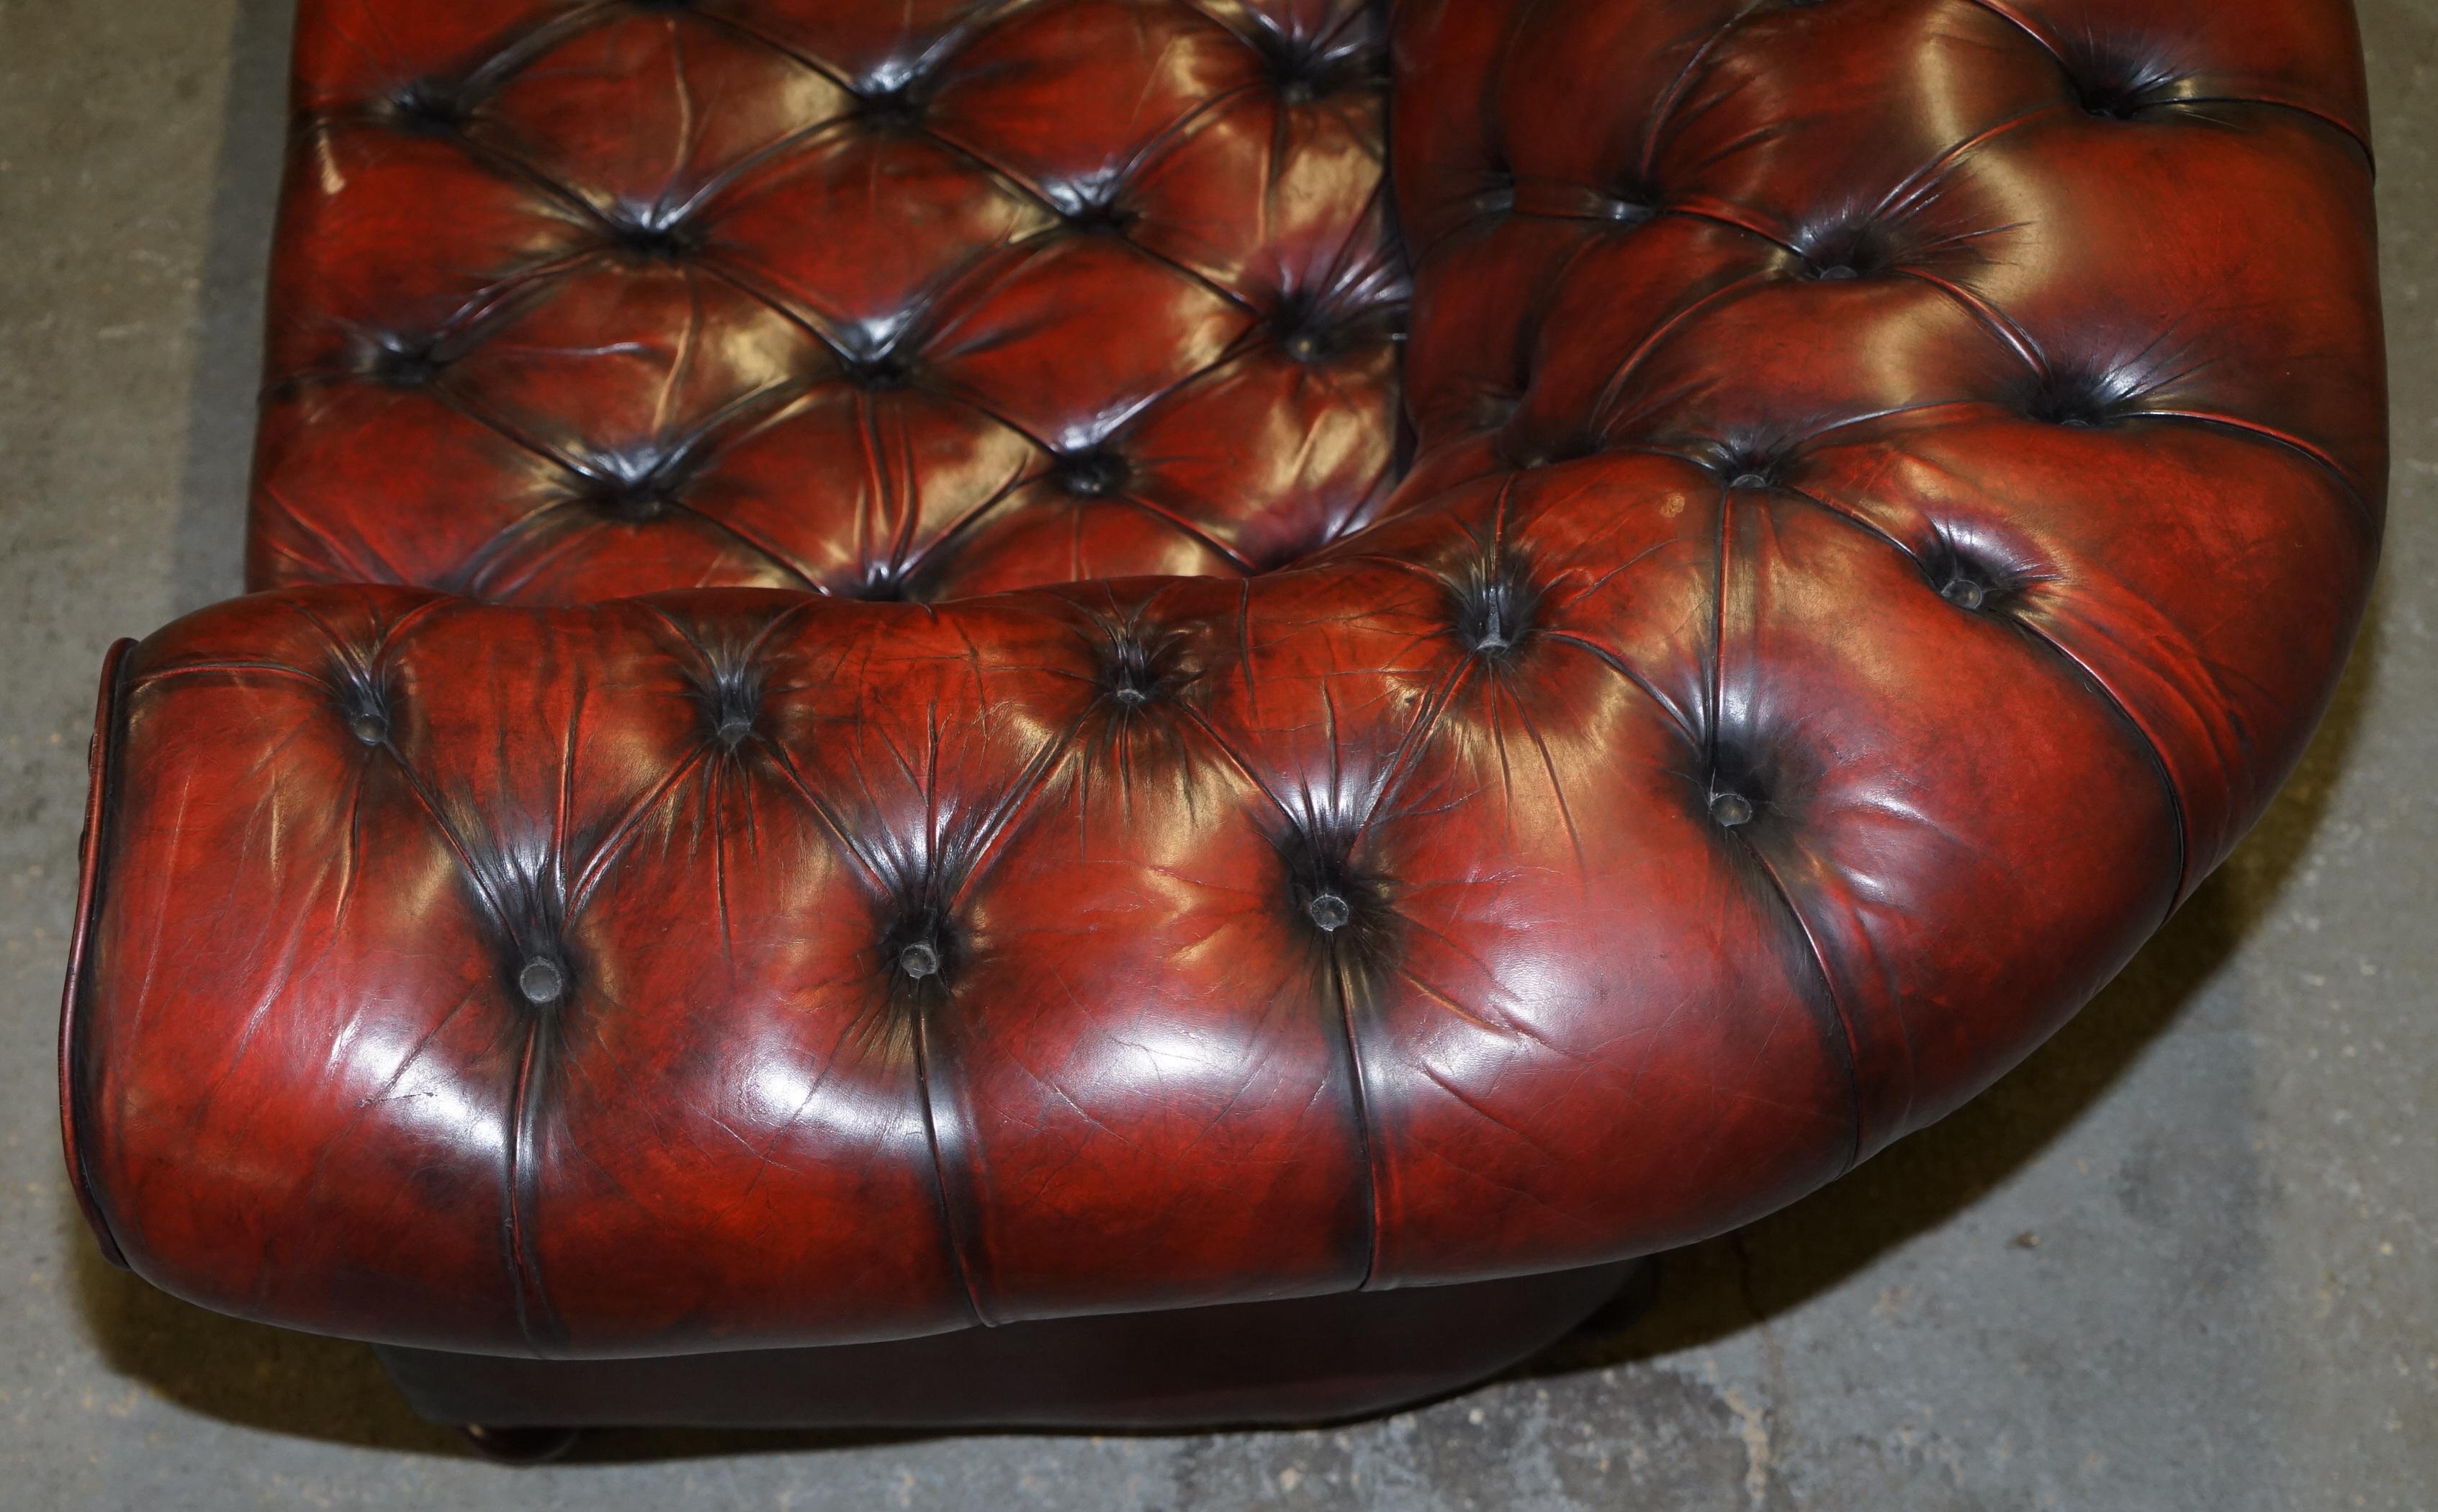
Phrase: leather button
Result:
[654,237]
[429,106]
[1091,474]
[1128,673]
[2076,398]
[1494,605]
[401,363]
[880,372]
[919,959]
[1102,215]
[541,981]
[892,109]
[2107,100]
[636,503]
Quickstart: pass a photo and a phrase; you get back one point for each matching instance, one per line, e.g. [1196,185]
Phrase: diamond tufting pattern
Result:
[583,300]
[1892,484]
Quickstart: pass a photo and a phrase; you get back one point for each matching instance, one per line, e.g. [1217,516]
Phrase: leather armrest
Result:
[1894,487]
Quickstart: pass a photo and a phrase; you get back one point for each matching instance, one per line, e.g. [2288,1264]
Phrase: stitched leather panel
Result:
[1894,484]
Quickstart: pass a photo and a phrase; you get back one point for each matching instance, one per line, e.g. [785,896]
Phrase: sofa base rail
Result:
[1303,1360]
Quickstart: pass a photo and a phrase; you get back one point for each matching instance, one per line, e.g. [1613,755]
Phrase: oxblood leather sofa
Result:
[928,665]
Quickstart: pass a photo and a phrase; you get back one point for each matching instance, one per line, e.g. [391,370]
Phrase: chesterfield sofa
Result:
[1157,711]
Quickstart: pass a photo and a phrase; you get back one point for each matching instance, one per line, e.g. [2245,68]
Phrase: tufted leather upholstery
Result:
[888,300]
[1892,484]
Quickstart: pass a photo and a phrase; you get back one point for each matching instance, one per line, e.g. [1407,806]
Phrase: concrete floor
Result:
[2184,1259]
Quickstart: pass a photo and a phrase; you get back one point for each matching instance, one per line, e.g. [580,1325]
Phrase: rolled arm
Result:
[1874,544]
[751,965]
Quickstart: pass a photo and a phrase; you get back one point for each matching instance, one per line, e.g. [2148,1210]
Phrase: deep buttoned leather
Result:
[581,300]
[1892,484]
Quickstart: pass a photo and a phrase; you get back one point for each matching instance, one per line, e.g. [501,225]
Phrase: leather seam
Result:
[2156,757]
[92,892]
[1846,1038]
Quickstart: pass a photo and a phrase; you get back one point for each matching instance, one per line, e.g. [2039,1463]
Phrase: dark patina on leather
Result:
[868,718]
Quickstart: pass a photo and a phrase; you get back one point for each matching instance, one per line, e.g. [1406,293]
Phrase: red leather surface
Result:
[1894,484]
[1292,1362]
[574,300]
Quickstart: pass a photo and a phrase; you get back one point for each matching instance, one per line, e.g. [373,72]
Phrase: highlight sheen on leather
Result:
[918,666]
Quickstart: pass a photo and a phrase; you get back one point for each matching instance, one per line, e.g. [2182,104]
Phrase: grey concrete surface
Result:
[2181,1260]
